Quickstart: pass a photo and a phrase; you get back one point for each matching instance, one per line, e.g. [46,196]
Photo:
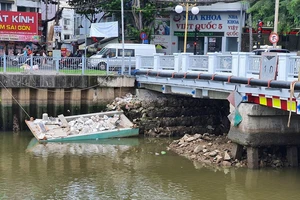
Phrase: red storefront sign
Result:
[20,26]
[269,31]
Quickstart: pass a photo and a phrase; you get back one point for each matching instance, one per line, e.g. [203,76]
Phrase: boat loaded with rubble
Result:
[93,126]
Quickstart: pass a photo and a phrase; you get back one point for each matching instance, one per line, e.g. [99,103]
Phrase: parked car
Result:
[114,51]
[260,51]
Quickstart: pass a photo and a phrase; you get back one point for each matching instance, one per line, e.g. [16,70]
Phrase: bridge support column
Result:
[292,156]
[263,126]
[256,126]
[252,157]
[237,151]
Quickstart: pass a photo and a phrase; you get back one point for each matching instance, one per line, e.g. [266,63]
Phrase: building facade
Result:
[216,28]
[20,25]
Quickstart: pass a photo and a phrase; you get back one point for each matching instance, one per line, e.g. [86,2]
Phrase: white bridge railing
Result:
[243,64]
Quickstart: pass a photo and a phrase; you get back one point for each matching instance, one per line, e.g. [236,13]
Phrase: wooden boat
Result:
[91,126]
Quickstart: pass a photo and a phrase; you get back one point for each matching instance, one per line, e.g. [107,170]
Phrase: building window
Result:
[67,37]
[26,9]
[6,6]
[21,9]
[231,44]
[32,9]
[67,21]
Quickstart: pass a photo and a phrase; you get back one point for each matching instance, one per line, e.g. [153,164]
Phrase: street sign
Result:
[273,38]
[56,54]
[143,36]
[268,67]
[57,29]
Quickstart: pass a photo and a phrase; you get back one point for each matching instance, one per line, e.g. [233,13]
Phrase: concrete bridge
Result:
[264,100]
[263,92]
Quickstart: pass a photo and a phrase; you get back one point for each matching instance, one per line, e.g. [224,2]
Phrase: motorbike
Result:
[69,62]
[20,60]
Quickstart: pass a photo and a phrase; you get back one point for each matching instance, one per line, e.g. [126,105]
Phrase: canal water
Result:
[132,168]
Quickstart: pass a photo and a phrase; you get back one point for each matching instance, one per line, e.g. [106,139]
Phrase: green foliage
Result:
[134,34]
[288,13]
[148,11]
[86,7]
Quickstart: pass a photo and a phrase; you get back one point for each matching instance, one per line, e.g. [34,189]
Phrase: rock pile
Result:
[126,103]
[173,116]
[212,150]
[95,123]
[206,148]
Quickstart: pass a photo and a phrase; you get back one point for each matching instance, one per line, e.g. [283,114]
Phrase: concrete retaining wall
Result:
[162,115]
[38,94]
[263,126]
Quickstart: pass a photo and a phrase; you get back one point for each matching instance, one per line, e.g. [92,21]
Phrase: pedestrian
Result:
[25,54]
[44,57]
[78,53]
[29,52]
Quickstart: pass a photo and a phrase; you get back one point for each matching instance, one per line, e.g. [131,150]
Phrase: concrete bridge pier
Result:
[6,108]
[262,126]
[39,101]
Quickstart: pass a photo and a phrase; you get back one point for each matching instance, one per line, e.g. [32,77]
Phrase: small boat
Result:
[93,126]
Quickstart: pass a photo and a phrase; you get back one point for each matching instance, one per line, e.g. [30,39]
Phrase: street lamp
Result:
[194,10]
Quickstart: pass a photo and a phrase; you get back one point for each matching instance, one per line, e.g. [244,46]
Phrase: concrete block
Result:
[252,157]
[6,97]
[262,126]
[237,151]
[292,156]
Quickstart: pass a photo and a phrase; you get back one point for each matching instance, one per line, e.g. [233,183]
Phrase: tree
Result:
[265,10]
[88,8]
[139,15]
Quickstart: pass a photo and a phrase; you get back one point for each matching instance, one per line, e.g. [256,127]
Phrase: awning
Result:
[106,41]
[89,47]
[99,45]
[69,41]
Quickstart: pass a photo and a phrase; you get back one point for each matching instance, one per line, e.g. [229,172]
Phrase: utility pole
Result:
[46,36]
[250,33]
[57,34]
[195,40]
[276,19]
[140,15]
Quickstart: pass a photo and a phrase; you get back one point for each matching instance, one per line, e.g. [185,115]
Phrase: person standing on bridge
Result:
[25,52]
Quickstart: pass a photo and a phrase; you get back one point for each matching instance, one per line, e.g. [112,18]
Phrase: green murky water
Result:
[131,168]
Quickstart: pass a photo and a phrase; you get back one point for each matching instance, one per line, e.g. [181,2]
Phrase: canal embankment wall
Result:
[158,115]
[25,95]
[165,115]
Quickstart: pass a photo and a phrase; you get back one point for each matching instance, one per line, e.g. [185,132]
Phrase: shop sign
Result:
[19,37]
[228,22]
[24,23]
[199,34]
[57,29]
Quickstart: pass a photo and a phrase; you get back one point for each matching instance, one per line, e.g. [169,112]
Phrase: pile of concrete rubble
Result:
[127,102]
[95,123]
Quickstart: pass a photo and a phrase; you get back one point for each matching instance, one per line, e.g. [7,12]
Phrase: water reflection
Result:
[108,147]
[132,170]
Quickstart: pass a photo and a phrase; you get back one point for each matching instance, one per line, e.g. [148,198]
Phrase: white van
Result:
[114,51]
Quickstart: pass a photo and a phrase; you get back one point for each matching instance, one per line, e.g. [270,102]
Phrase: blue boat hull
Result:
[128,132]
